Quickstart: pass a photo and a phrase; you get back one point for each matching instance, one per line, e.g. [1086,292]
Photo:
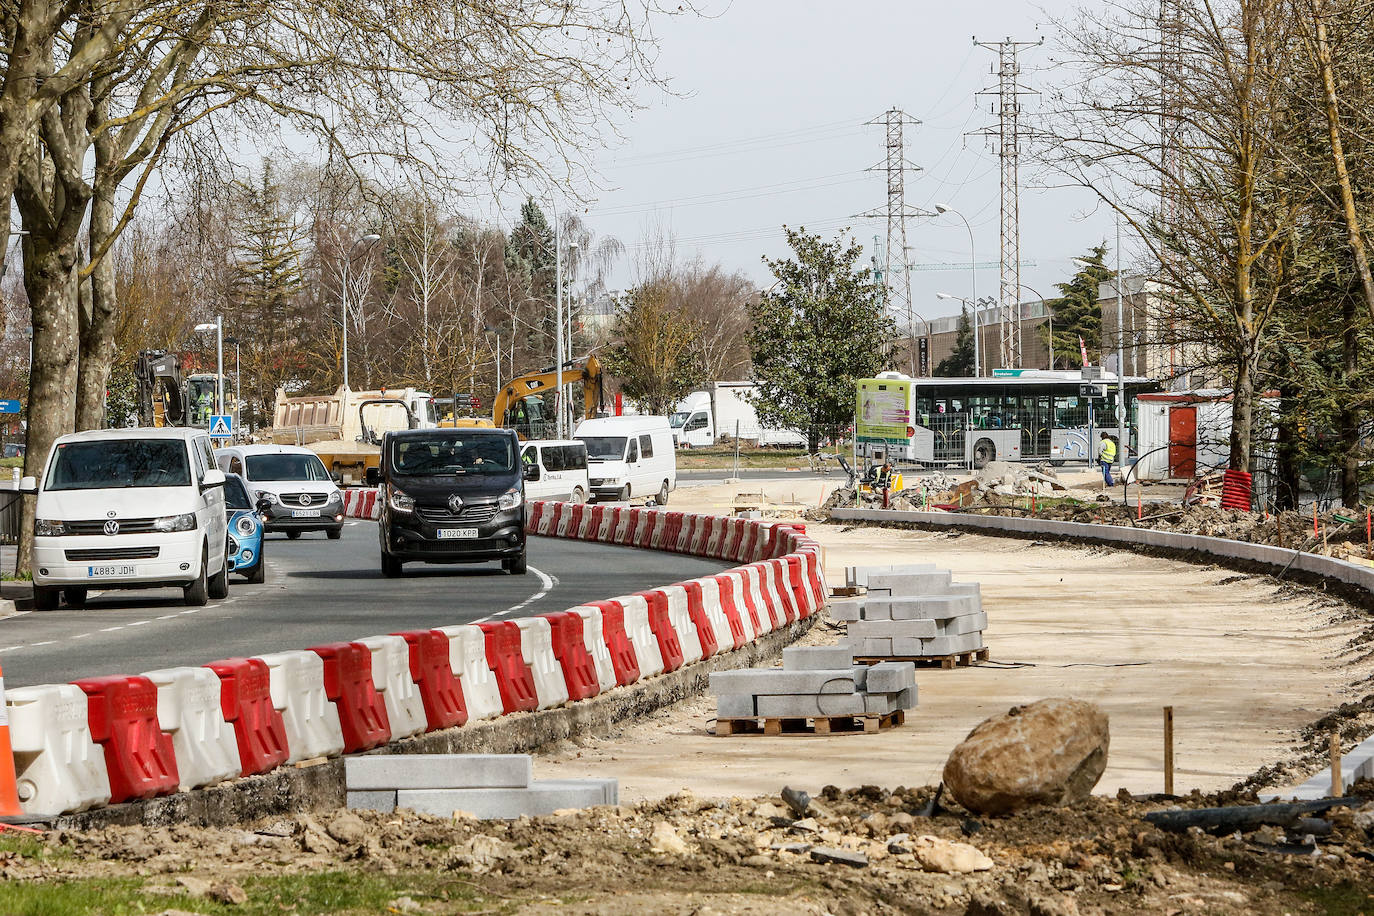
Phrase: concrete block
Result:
[930,607]
[372,800]
[824,704]
[965,588]
[542,797]
[891,677]
[935,582]
[880,704]
[857,576]
[891,629]
[776,681]
[860,677]
[907,699]
[735,706]
[870,648]
[940,645]
[437,771]
[817,658]
[846,608]
[959,626]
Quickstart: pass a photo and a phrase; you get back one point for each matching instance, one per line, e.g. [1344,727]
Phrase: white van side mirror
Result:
[213,478]
[28,485]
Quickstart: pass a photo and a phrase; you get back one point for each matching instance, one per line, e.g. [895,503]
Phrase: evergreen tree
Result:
[267,314]
[959,363]
[822,327]
[1076,312]
[530,258]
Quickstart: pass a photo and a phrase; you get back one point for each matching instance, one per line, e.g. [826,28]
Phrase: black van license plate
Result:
[456,534]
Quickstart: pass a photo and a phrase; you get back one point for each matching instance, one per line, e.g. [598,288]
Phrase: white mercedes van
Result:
[129,508]
[555,469]
[300,493]
[630,458]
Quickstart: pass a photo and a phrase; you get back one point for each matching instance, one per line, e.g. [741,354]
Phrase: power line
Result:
[784,187]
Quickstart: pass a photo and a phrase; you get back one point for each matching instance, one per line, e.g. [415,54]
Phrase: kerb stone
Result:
[817,658]
[774,681]
[891,677]
[543,796]
[437,771]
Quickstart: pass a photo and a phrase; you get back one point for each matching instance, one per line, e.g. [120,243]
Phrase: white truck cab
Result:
[129,508]
[630,458]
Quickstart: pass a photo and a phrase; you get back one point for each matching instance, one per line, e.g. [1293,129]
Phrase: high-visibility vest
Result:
[1108,450]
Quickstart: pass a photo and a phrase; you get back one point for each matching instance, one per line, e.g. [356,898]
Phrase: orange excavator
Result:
[519,405]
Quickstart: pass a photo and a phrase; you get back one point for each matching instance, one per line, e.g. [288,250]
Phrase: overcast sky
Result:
[768,129]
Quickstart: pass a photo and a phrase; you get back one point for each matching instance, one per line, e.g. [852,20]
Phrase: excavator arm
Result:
[537,383]
[161,389]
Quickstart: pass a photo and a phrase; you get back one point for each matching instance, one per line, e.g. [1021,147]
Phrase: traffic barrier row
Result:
[113,739]
[362,502]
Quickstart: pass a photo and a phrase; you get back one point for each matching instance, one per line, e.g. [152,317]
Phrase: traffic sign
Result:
[221,426]
[1092,391]
[10,407]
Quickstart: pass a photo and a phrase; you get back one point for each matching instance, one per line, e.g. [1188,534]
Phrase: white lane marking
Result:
[82,636]
[112,629]
[547,582]
[167,617]
[140,623]
[10,648]
[46,642]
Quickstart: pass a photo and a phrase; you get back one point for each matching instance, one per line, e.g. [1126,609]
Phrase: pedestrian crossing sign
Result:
[221,426]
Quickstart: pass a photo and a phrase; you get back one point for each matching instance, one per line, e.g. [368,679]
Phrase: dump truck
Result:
[345,428]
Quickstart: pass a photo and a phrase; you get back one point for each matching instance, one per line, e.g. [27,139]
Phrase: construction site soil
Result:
[738,855]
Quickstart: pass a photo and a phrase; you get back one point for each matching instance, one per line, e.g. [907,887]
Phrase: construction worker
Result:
[205,405]
[1106,456]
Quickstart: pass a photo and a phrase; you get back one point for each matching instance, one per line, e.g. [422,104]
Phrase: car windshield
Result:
[285,467]
[108,463]
[429,456]
[604,448]
[676,420]
[235,494]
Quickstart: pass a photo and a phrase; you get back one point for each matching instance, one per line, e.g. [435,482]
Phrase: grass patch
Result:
[334,892]
[1340,899]
[11,462]
[718,458]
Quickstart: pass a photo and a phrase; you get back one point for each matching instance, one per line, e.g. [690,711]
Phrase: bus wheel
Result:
[1058,464]
[983,452]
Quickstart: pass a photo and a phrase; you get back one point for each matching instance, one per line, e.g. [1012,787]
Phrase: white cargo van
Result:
[630,458]
[301,495]
[556,469]
[130,508]
[723,412]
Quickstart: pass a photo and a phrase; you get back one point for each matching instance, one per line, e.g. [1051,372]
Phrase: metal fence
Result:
[11,508]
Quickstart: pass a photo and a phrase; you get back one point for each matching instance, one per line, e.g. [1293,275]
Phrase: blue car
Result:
[245,531]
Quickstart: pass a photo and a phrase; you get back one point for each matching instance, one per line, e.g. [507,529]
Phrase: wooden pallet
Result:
[814,725]
[954,660]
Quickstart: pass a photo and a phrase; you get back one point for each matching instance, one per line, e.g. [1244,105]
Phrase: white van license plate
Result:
[109,572]
[305,513]
[451,534]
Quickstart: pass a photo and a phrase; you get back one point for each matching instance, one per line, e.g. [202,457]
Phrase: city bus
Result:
[1015,415]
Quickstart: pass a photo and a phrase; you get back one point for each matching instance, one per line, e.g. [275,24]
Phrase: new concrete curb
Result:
[289,790]
[1358,580]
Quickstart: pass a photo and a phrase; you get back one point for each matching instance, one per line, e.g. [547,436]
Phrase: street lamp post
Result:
[371,238]
[559,424]
[218,328]
[972,280]
[491,330]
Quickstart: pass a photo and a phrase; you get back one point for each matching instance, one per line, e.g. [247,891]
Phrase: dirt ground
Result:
[1247,664]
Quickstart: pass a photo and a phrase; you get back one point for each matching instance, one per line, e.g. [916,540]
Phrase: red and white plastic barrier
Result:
[80,746]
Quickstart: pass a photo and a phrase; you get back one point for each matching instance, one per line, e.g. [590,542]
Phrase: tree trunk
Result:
[1289,440]
[97,316]
[1350,414]
[1243,412]
[51,283]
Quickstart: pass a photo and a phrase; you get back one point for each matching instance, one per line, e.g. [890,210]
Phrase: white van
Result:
[300,493]
[556,469]
[129,508]
[630,458]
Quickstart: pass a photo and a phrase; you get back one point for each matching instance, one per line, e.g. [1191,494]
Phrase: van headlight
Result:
[269,497]
[511,499]
[246,526]
[48,528]
[186,522]
[399,501]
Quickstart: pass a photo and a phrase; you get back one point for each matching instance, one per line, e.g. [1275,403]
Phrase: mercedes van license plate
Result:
[104,572]
[305,513]
[448,534]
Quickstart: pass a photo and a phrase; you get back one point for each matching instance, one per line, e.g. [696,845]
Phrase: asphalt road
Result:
[319,591]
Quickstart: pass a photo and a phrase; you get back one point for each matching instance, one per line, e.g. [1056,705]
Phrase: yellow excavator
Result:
[519,405]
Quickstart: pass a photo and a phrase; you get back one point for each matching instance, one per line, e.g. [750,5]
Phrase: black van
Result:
[452,496]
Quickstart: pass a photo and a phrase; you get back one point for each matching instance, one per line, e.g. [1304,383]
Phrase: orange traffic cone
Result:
[9,790]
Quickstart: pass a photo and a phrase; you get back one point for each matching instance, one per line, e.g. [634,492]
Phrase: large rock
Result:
[1051,752]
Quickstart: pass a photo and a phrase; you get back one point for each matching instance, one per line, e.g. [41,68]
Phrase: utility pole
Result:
[896,297]
[1008,134]
[1171,180]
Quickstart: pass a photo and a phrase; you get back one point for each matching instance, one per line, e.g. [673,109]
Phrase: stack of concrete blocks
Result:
[815,681]
[486,786]
[912,611]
